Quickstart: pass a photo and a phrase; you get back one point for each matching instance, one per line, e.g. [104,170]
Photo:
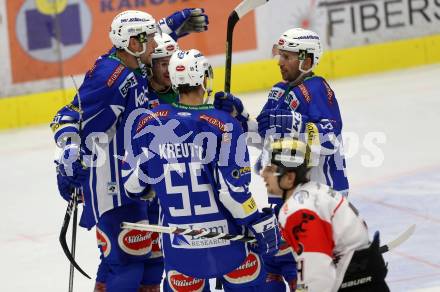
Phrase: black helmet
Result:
[290,155]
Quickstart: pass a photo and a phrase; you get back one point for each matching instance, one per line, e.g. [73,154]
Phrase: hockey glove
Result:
[184,22]
[267,233]
[280,121]
[367,270]
[66,188]
[70,166]
[228,103]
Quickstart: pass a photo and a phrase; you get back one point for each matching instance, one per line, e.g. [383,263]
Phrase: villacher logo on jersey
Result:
[181,282]
[247,271]
[103,242]
[156,251]
[135,242]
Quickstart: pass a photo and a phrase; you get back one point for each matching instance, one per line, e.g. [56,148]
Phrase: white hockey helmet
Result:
[302,41]
[131,23]
[166,46]
[190,68]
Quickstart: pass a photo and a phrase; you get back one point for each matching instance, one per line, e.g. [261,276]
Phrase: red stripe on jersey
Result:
[305,231]
[337,207]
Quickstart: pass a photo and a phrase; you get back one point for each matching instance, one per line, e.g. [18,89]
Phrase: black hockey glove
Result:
[366,271]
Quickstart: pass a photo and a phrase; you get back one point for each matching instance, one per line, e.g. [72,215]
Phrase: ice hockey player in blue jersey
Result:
[302,104]
[190,153]
[90,133]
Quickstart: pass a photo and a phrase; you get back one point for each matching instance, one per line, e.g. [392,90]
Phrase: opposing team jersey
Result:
[167,97]
[316,102]
[324,229]
[197,162]
[109,93]
[283,262]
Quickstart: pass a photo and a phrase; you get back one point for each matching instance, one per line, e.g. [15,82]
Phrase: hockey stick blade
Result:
[248,5]
[398,240]
[62,238]
[197,233]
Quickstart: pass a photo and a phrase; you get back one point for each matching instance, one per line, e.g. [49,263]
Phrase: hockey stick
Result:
[241,10]
[398,240]
[207,234]
[72,207]
[198,233]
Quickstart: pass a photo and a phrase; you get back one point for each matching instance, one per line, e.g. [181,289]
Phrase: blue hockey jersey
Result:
[109,93]
[196,159]
[316,102]
[283,262]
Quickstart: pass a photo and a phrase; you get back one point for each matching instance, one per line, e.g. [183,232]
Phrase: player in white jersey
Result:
[329,238]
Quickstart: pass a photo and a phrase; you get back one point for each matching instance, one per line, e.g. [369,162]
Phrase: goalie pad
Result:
[367,270]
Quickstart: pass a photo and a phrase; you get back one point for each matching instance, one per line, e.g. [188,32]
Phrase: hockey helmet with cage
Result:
[166,46]
[303,42]
[132,23]
[189,68]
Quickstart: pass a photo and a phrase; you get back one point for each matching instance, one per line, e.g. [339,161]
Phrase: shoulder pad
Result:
[218,119]
[314,187]
[318,84]
[145,119]
[108,70]
[115,75]
[304,88]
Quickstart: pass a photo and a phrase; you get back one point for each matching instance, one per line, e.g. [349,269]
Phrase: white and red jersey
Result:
[324,229]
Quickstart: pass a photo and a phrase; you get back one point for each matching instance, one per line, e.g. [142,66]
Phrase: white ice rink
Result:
[401,108]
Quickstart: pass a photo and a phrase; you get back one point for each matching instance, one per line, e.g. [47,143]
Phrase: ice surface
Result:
[404,189]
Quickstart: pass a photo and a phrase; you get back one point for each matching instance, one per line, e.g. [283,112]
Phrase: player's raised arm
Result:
[184,22]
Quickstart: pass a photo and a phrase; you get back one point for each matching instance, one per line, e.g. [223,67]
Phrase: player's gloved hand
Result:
[227,102]
[233,105]
[65,188]
[280,121]
[184,22]
[267,233]
[70,166]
